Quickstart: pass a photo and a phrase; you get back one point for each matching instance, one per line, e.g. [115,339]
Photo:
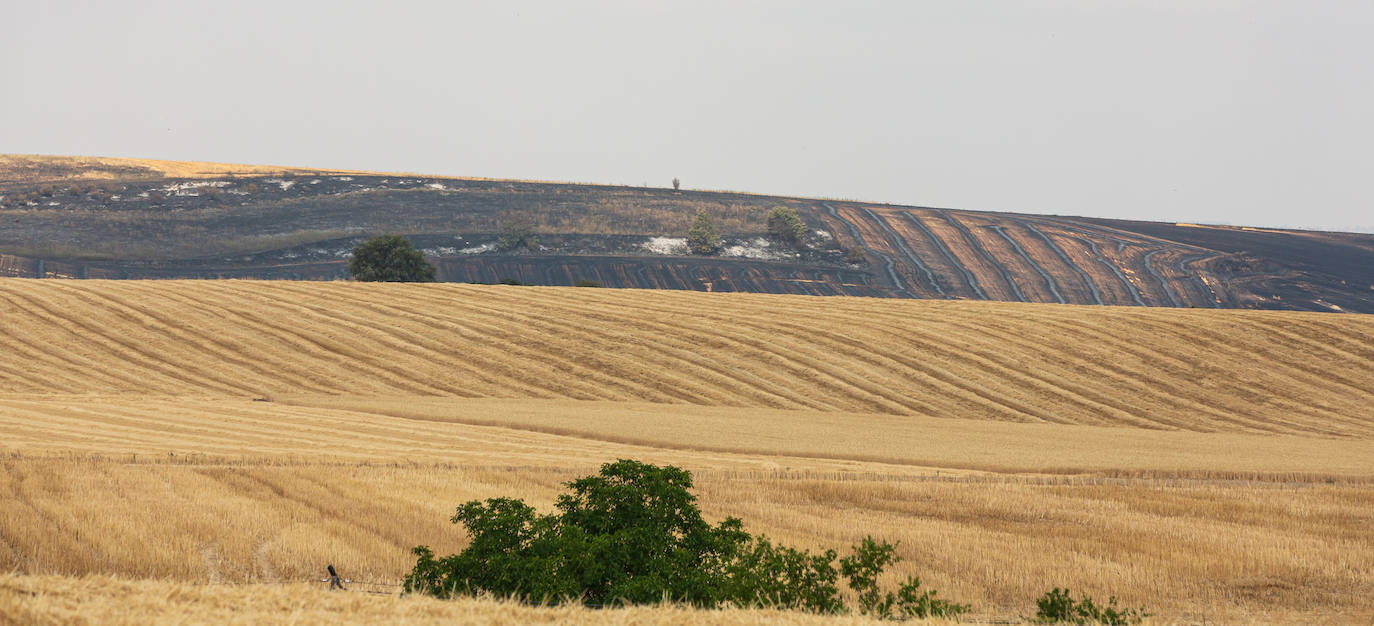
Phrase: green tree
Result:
[702,238]
[784,222]
[676,183]
[517,235]
[390,258]
[633,534]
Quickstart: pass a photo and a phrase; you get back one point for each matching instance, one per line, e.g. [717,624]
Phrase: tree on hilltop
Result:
[392,259]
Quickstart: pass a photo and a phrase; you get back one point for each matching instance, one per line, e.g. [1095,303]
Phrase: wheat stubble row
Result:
[1225,371]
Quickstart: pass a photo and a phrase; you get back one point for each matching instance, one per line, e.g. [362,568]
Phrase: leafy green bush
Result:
[862,569]
[784,222]
[390,258]
[633,534]
[1059,606]
[517,235]
[702,237]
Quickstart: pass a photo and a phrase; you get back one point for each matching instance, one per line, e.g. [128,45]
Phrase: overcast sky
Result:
[1256,113]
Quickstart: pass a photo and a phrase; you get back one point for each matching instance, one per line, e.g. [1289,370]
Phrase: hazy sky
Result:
[1258,113]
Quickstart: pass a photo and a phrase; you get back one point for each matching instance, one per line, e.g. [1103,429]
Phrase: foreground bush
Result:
[1059,606]
[634,535]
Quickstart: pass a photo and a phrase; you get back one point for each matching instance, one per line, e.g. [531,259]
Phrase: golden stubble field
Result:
[1212,465]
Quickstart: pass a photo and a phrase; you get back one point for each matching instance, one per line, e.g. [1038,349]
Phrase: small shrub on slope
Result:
[784,222]
[1058,606]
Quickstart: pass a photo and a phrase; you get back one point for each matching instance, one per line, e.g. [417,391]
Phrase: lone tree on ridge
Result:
[392,259]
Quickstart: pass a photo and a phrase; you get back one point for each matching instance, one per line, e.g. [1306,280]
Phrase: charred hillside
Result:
[106,218]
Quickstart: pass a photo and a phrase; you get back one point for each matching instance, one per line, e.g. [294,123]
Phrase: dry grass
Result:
[1195,370]
[106,600]
[1206,464]
[31,168]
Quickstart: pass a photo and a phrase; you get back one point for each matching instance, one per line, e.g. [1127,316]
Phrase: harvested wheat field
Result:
[182,437]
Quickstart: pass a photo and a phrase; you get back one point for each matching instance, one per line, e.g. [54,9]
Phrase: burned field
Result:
[135,219]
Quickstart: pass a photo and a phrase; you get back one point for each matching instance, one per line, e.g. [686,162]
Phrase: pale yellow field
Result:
[1206,464]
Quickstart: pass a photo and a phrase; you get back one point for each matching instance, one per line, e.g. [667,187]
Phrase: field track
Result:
[1199,370]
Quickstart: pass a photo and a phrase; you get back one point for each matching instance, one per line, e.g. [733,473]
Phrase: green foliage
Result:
[763,574]
[390,258]
[677,184]
[633,534]
[587,282]
[855,255]
[862,570]
[1059,606]
[784,222]
[517,235]
[702,238]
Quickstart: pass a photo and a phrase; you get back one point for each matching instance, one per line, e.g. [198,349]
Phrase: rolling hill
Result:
[120,218]
[193,435]
[1215,371]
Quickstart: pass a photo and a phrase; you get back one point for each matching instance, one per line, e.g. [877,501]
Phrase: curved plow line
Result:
[1049,282]
[1173,301]
[206,342]
[808,332]
[978,248]
[1087,280]
[949,256]
[1182,267]
[122,351]
[887,260]
[496,322]
[900,246]
[765,342]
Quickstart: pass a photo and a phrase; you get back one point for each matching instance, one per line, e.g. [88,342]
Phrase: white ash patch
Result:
[193,188]
[665,245]
[439,186]
[284,184]
[344,178]
[757,248]
[290,255]
[143,194]
[315,182]
[54,204]
[440,251]
[822,234]
[486,247]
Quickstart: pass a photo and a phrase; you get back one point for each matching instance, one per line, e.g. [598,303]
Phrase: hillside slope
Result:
[1201,370]
[123,218]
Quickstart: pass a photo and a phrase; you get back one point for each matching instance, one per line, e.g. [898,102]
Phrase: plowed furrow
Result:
[207,345]
[317,338]
[1064,258]
[727,345]
[953,262]
[900,245]
[978,249]
[78,328]
[1050,283]
[888,264]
